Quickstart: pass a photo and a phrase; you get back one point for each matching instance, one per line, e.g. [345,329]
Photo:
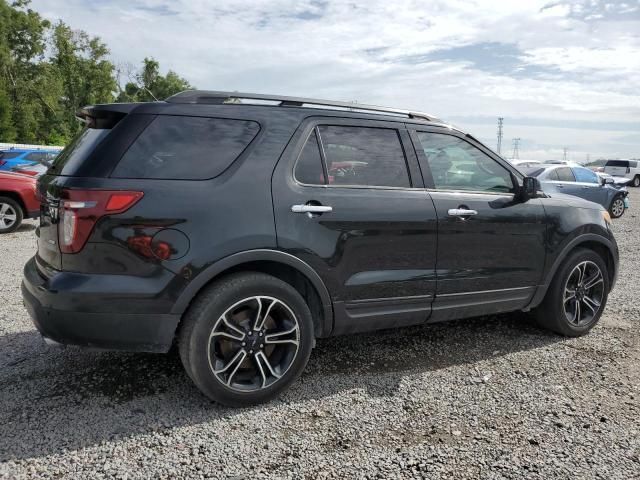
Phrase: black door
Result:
[490,245]
[349,201]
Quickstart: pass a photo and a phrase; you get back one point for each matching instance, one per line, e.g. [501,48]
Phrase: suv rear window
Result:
[617,163]
[186,148]
[78,150]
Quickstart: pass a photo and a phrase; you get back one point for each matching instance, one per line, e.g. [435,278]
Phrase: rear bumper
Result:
[113,330]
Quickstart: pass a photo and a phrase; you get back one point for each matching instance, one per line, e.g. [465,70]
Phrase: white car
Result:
[616,181]
[525,163]
[624,168]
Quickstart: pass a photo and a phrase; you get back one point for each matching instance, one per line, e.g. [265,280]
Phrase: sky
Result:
[563,74]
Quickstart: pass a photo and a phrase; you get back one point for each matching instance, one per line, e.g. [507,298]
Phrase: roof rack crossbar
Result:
[215,97]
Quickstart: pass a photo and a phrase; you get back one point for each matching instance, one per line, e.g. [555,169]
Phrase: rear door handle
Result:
[461,212]
[311,208]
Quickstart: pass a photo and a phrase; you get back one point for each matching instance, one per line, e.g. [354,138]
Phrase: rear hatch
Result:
[617,168]
[89,157]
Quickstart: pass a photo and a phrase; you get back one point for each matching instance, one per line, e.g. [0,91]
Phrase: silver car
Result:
[581,182]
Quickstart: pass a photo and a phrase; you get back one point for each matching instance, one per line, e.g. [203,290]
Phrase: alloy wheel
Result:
[617,207]
[583,293]
[8,216]
[253,343]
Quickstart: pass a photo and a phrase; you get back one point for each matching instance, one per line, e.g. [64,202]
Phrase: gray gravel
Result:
[483,398]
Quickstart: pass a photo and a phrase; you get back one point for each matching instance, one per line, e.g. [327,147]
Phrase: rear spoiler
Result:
[105,115]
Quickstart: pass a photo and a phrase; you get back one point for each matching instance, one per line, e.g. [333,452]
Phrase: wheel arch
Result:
[602,246]
[279,264]
[17,198]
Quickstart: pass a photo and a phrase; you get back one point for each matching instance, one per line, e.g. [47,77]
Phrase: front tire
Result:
[246,338]
[616,209]
[636,181]
[577,295]
[10,215]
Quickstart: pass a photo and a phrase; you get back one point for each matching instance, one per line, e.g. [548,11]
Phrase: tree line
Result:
[49,70]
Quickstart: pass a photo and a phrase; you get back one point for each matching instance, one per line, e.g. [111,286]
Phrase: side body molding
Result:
[580,239]
[209,273]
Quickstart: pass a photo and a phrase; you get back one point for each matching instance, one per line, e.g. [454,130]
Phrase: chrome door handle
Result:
[461,212]
[311,208]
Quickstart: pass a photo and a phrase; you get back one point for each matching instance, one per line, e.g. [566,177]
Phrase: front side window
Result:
[585,175]
[186,148]
[457,165]
[364,156]
[565,174]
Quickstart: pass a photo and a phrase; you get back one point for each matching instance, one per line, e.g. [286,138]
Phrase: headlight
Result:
[606,217]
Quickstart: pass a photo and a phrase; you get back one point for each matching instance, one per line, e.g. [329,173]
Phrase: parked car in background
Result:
[17,200]
[32,169]
[525,163]
[624,168]
[584,183]
[15,157]
[596,165]
[617,182]
[242,227]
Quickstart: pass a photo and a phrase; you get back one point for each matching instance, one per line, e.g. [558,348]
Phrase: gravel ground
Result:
[482,398]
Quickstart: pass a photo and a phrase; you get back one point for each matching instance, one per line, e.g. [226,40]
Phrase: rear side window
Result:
[9,155]
[364,156]
[565,174]
[309,167]
[186,148]
[633,164]
[618,163]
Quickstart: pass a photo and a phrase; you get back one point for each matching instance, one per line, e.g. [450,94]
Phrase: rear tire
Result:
[246,338]
[10,215]
[582,279]
[616,209]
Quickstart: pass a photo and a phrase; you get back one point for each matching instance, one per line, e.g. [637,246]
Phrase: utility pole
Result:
[516,152]
[564,154]
[500,120]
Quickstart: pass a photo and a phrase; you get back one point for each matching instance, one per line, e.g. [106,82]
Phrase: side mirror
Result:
[530,187]
[607,181]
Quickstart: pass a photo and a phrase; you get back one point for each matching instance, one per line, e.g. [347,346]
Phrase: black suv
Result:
[243,227]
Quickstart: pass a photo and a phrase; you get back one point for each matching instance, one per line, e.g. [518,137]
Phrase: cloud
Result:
[566,61]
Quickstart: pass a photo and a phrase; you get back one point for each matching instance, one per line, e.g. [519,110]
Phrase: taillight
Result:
[2,162]
[81,209]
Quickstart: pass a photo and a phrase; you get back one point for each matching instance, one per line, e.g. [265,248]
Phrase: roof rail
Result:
[218,98]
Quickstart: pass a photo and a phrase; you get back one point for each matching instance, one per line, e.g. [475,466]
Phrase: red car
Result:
[17,200]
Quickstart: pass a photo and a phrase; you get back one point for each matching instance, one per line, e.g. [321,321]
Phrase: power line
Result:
[516,151]
[564,154]
[499,148]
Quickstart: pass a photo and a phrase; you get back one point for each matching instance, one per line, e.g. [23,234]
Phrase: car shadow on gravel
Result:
[65,399]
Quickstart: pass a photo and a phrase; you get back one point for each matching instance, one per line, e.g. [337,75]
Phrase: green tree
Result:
[40,93]
[149,85]
[85,73]
[23,103]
